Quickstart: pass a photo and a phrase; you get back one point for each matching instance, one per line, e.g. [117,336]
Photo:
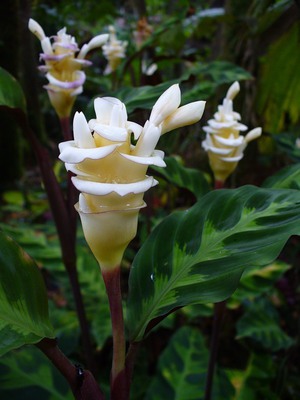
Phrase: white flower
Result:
[114,50]
[223,141]
[111,171]
[62,67]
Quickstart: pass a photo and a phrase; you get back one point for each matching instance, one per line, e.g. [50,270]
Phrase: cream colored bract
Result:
[111,171]
[223,141]
[63,63]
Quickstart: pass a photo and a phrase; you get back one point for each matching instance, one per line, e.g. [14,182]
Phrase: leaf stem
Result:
[82,382]
[219,309]
[119,383]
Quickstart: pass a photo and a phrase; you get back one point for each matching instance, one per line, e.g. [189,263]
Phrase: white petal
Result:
[97,41]
[100,189]
[183,116]
[115,134]
[46,46]
[69,153]
[215,150]
[253,134]
[82,134]
[167,103]
[103,107]
[135,128]
[233,90]
[232,159]
[36,29]
[147,140]
[155,159]
[229,142]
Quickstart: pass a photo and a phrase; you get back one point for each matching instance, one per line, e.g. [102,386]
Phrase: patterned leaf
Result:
[28,374]
[182,370]
[23,299]
[198,255]
[257,380]
[256,281]
[186,178]
[261,323]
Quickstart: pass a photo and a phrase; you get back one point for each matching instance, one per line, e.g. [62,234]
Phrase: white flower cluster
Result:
[223,142]
[114,50]
[63,63]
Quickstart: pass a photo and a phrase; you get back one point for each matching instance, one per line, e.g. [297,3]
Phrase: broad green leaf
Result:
[182,370]
[256,281]
[286,178]
[23,299]
[28,374]
[11,94]
[186,178]
[260,323]
[257,380]
[199,255]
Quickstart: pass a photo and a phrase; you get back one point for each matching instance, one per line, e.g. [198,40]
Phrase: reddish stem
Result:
[219,184]
[119,383]
[82,382]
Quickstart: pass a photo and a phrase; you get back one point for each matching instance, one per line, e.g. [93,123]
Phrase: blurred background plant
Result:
[205,46]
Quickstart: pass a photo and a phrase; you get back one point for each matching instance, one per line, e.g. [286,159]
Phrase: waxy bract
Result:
[111,171]
[223,142]
[62,67]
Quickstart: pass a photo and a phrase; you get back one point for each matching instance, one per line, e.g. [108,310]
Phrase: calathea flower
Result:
[110,172]
[63,64]
[223,142]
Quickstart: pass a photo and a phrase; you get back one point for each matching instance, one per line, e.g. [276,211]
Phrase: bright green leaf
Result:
[11,94]
[199,255]
[23,299]
[182,370]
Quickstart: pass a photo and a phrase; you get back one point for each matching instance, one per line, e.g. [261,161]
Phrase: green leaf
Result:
[182,370]
[23,299]
[257,380]
[11,94]
[286,142]
[29,374]
[256,281]
[261,323]
[286,178]
[186,178]
[198,255]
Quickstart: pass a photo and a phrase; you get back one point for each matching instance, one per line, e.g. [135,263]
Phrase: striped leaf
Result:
[182,370]
[23,299]
[198,255]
